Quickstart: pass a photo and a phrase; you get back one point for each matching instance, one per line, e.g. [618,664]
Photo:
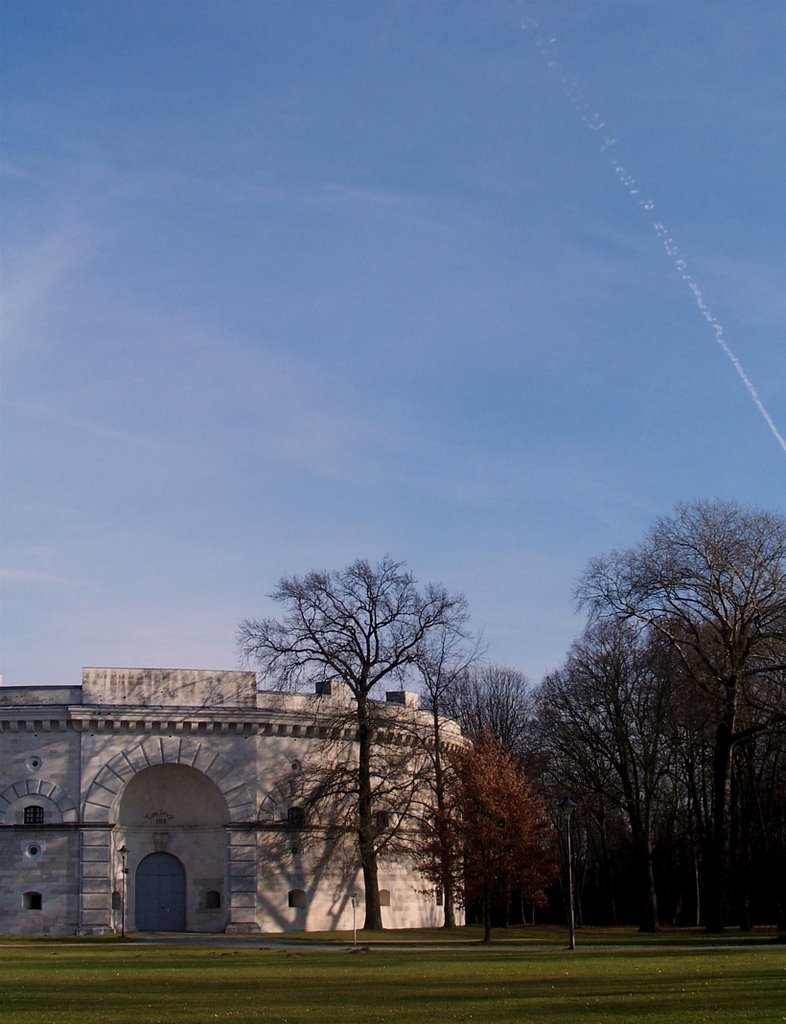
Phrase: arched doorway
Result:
[172,820]
[160,894]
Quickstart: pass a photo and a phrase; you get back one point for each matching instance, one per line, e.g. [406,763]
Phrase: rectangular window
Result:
[33,815]
[31,901]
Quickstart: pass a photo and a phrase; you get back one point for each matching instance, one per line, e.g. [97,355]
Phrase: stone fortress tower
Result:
[171,800]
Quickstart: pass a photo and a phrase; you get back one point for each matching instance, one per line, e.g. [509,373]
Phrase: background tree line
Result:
[666,724]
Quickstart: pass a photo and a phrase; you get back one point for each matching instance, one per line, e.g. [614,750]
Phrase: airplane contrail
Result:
[592,120]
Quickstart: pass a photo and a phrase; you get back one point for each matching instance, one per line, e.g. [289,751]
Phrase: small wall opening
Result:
[384,897]
[296,817]
[31,901]
[212,899]
[297,898]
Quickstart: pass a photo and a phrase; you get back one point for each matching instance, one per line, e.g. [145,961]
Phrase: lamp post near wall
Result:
[123,851]
[568,806]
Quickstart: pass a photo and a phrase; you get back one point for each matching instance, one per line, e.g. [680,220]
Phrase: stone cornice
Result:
[395,726]
[21,722]
[198,722]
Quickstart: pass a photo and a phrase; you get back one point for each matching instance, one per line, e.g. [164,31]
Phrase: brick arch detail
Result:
[105,790]
[35,787]
[287,791]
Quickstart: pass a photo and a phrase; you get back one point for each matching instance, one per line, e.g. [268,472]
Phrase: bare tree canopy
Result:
[445,660]
[602,720]
[362,626]
[497,700]
[710,580]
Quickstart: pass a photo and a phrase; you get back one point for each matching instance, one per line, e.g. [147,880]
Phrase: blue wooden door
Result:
[160,894]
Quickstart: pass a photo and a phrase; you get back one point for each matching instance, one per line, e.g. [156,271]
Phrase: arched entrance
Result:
[172,820]
[160,894]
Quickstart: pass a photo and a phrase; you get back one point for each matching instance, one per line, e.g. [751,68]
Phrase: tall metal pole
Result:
[567,806]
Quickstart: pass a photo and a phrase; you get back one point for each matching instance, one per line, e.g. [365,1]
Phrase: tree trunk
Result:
[366,836]
[608,866]
[445,853]
[696,872]
[450,909]
[719,834]
[648,917]
[643,866]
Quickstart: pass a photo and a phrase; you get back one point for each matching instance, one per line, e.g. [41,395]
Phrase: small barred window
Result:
[33,815]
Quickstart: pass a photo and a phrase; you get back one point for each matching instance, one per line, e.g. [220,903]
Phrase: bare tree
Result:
[444,662]
[493,699]
[711,581]
[364,626]
[603,716]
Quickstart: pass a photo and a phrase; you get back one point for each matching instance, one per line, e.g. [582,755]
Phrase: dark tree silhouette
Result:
[710,580]
[363,626]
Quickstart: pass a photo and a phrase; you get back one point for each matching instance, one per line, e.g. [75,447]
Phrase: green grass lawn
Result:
[116,983]
[547,935]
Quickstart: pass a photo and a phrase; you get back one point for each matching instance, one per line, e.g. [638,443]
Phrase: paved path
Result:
[279,942]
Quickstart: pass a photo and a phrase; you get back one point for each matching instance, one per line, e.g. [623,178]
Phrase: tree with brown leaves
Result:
[501,834]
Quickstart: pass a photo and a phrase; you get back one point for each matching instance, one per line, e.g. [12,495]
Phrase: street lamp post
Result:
[123,851]
[568,806]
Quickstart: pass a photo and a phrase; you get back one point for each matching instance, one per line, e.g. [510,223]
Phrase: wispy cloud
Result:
[87,426]
[37,577]
[32,277]
[11,170]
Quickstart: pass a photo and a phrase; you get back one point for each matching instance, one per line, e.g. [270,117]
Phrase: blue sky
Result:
[288,284]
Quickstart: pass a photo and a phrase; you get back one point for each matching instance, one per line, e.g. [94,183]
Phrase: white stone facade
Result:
[189,780]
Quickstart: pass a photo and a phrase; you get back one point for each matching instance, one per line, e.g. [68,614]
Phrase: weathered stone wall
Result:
[198,765]
[39,768]
[42,862]
[155,687]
